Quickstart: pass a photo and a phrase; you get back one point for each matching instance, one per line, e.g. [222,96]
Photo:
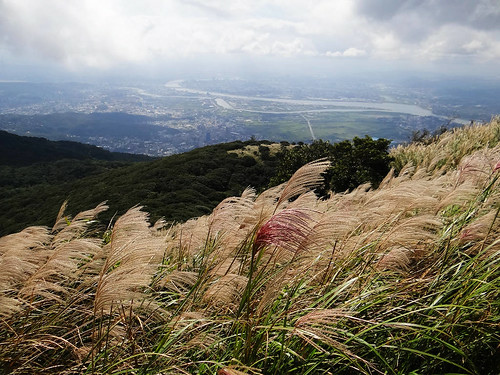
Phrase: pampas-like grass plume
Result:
[20,255]
[131,258]
[60,267]
[306,178]
[287,229]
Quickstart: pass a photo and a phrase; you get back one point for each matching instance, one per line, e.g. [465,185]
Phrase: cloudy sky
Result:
[113,35]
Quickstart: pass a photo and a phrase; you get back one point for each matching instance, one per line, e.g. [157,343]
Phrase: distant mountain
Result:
[18,150]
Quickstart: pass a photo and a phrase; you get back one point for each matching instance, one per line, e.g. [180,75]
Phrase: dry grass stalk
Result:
[478,167]
[320,326]
[304,179]
[249,193]
[20,257]
[61,220]
[322,317]
[178,281]
[68,230]
[132,256]
[277,277]
[29,238]
[224,294]
[227,265]
[232,222]
[396,259]
[482,233]
[61,265]
[412,231]
[269,197]
[190,237]
[459,195]
[450,147]
[232,371]
[230,214]
[190,318]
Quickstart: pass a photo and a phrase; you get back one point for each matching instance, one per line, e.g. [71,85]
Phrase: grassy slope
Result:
[404,279]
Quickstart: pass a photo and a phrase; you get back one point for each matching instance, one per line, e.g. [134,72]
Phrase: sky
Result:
[106,37]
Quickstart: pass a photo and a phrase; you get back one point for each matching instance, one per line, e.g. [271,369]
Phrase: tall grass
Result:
[404,279]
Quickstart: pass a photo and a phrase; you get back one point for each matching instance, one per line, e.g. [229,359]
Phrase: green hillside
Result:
[21,151]
[176,188]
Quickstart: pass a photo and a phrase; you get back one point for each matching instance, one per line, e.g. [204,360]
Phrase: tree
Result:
[354,162]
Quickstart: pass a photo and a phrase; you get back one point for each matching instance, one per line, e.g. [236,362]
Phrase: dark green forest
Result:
[37,176]
[353,162]
[22,151]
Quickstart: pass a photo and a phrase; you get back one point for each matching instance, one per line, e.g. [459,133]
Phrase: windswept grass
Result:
[448,150]
[403,279]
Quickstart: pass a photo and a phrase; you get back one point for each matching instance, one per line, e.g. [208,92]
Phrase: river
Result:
[336,105]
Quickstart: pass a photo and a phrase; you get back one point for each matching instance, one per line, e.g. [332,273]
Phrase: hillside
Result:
[177,187]
[22,151]
[35,172]
[401,279]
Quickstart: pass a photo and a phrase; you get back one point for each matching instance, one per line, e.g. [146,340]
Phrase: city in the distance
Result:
[160,118]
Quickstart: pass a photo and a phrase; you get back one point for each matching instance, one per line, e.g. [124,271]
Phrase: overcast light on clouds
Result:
[104,34]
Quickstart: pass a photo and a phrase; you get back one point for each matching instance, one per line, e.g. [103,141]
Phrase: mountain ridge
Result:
[20,150]
[177,187]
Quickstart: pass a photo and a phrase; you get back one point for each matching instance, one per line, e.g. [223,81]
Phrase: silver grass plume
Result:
[224,293]
[61,220]
[63,256]
[232,371]
[396,259]
[61,265]
[190,237]
[232,220]
[178,281]
[132,256]
[231,224]
[287,229]
[304,179]
[67,229]
[320,326]
[20,257]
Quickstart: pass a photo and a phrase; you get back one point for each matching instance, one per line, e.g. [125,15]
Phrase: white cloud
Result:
[473,46]
[104,34]
[457,42]
[350,52]
[354,52]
